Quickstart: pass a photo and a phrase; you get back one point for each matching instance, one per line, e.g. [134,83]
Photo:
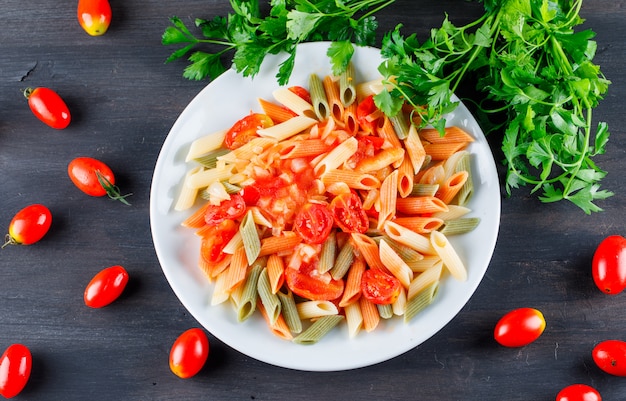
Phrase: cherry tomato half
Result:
[94,16]
[366,114]
[106,286]
[229,209]
[15,366]
[347,210]
[578,392]
[215,239]
[94,178]
[610,356]
[313,223]
[189,353]
[519,327]
[379,287]
[609,265]
[48,107]
[29,225]
[310,284]
[245,130]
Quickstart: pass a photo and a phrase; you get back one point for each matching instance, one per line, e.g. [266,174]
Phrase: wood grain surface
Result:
[124,99]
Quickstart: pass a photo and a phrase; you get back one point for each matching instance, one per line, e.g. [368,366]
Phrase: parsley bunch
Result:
[251,36]
[527,58]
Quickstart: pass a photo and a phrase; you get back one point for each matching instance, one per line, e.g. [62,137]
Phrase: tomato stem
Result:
[112,190]
[8,240]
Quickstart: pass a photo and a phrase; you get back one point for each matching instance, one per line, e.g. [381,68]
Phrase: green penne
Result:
[318,97]
[327,255]
[250,237]
[347,89]
[424,189]
[459,226]
[318,329]
[467,190]
[290,312]
[385,311]
[400,125]
[344,261]
[270,300]
[421,300]
[209,160]
[247,301]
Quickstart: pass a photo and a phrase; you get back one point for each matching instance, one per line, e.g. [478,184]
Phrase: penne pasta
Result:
[269,299]
[248,298]
[354,318]
[314,309]
[452,134]
[395,264]
[288,128]
[276,112]
[334,99]
[318,98]
[352,290]
[290,312]
[370,314]
[278,327]
[448,255]
[188,193]
[353,179]
[347,86]
[336,157]
[318,330]
[293,102]
[206,144]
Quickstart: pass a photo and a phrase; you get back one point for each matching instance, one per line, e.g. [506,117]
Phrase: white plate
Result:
[219,105]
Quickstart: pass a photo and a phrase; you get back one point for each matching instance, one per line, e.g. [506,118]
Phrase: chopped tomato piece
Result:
[347,210]
[245,130]
[379,287]
[313,223]
[230,209]
[367,114]
[215,239]
[308,283]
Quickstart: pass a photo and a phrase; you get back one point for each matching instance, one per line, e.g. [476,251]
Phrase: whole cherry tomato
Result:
[94,16]
[94,178]
[609,265]
[29,225]
[347,210]
[189,353]
[610,356]
[578,392]
[379,287]
[519,327]
[15,366]
[245,130]
[313,223]
[105,287]
[48,106]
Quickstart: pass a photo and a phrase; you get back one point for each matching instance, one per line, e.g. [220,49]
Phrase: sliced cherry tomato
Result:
[244,130]
[308,283]
[609,265]
[301,92]
[229,209]
[347,210]
[610,356]
[215,239]
[29,225]
[48,106]
[15,366]
[366,114]
[94,16]
[578,392]
[106,286]
[379,287]
[94,178]
[519,327]
[313,223]
[189,353]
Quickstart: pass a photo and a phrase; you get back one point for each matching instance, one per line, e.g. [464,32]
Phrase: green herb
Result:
[527,57]
[251,36]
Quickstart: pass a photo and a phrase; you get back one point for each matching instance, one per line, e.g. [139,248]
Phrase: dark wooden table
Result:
[124,100]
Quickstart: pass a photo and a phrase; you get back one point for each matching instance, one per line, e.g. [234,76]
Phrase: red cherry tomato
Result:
[94,16]
[519,327]
[245,130]
[610,356]
[578,392]
[313,223]
[189,353]
[229,209]
[106,286]
[215,239]
[308,283]
[15,366]
[347,210]
[29,225]
[609,265]
[48,106]
[379,287]
[94,178]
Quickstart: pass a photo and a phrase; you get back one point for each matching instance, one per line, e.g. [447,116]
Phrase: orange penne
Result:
[334,101]
[450,187]
[441,151]
[452,134]
[303,148]
[420,204]
[236,273]
[196,219]
[415,149]
[370,314]
[276,112]
[388,133]
[278,328]
[388,196]
[352,179]
[380,160]
[405,177]
[421,225]
[275,270]
[369,249]
[285,242]
[352,290]
[350,120]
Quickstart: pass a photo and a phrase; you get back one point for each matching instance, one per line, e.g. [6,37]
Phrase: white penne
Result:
[250,237]
[454,212]
[425,279]
[395,264]
[204,178]
[337,156]
[415,149]
[408,238]
[388,196]
[451,163]
[188,194]
[235,243]
[312,309]
[424,263]
[220,293]
[448,255]
[259,217]
[287,129]
[293,102]
[354,318]
[246,152]
[205,144]
[399,306]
